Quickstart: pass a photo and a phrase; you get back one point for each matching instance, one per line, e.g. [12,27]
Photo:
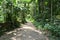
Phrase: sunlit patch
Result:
[11,32]
[8,32]
[14,33]
[38,31]
[13,38]
[30,37]
[31,29]
[28,28]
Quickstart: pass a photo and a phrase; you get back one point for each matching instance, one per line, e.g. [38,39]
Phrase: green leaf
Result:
[25,0]
[46,3]
[58,16]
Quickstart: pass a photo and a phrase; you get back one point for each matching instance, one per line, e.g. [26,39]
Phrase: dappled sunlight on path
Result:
[26,32]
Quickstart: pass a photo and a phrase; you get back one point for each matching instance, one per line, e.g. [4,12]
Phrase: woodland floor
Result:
[26,32]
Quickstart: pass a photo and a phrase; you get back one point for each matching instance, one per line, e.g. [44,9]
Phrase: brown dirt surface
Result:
[26,32]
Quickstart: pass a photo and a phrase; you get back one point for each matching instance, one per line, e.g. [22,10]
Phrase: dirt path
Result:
[27,32]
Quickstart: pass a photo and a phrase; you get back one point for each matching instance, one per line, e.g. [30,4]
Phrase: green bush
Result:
[54,29]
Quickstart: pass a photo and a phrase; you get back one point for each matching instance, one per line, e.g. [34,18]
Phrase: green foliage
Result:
[46,3]
[42,14]
[58,16]
[25,0]
[1,18]
[54,29]
[2,15]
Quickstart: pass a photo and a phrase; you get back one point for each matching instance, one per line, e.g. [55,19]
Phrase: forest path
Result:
[26,32]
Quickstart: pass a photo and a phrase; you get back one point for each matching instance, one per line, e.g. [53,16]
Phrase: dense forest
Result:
[44,14]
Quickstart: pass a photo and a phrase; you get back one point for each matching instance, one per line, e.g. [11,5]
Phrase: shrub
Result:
[54,29]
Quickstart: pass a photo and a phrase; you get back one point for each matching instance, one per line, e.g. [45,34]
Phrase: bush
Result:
[54,29]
